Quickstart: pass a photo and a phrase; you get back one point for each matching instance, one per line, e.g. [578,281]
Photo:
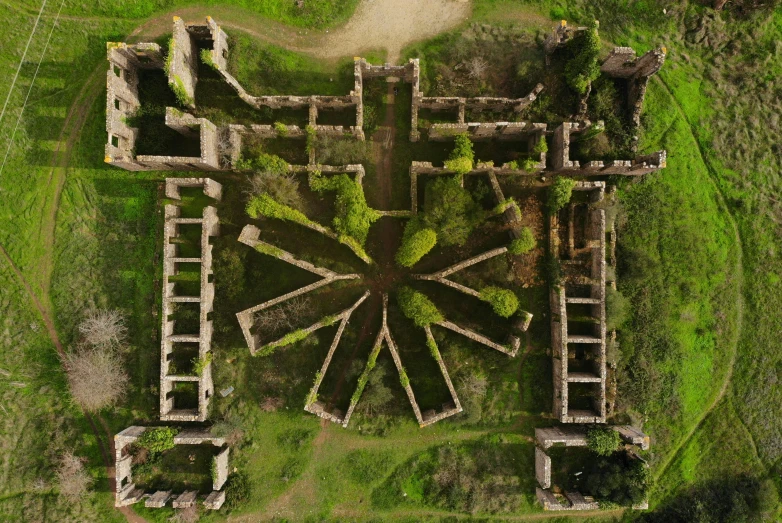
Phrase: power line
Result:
[30,90]
[24,54]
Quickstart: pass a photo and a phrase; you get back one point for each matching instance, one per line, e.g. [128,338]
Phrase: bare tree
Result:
[476,67]
[96,377]
[104,328]
[186,515]
[284,316]
[72,478]
[283,188]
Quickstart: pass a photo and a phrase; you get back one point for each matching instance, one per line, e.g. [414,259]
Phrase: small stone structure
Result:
[250,236]
[126,491]
[573,436]
[171,341]
[587,291]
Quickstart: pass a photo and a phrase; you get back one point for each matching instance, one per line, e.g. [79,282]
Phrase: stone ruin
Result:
[574,436]
[172,341]
[128,494]
[580,357]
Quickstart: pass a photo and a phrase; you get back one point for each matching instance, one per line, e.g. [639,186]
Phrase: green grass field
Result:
[699,247]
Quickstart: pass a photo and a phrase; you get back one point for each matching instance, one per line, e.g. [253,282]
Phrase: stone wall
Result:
[172,262]
[572,436]
[595,230]
[250,236]
[126,492]
[183,64]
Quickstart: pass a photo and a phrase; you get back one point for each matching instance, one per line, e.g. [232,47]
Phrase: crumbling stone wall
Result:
[171,265]
[250,236]
[183,63]
[126,492]
[559,299]
[623,63]
[572,436]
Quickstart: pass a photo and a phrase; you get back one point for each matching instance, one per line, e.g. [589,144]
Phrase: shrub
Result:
[619,479]
[281,128]
[96,377]
[524,244]
[603,441]
[583,68]
[104,328]
[462,156]
[450,211]
[560,193]
[418,307]
[264,205]
[158,439]
[541,146]
[416,247]
[370,118]
[503,301]
[237,490]
[353,217]
[200,364]
[459,165]
[72,478]
[403,379]
[529,164]
[281,187]
[206,58]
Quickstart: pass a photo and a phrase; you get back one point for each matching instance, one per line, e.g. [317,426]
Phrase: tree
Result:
[72,478]
[104,328]
[476,67]
[603,441]
[583,68]
[525,243]
[619,478]
[462,156]
[353,217]
[418,307]
[560,193]
[503,301]
[450,211]
[284,316]
[281,186]
[377,395]
[415,246]
[96,377]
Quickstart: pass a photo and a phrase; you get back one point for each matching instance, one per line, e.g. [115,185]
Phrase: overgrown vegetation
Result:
[583,68]
[418,307]
[525,243]
[603,441]
[462,156]
[354,216]
[503,301]
[157,439]
[415,246]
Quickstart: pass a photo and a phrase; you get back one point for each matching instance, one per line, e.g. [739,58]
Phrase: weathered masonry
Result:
[127,493]
[195,346]
[574,436]
[578,324]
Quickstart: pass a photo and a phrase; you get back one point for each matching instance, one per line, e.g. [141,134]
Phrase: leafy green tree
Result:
[503,301]
[377,395]
[560,193]
[525,243]
[603,441]
[418,307]
[354,216]
[462,156]
[583,68]
[619,479]
[450,211]
[415,247]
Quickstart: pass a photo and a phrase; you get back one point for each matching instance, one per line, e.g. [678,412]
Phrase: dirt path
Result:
[739,274]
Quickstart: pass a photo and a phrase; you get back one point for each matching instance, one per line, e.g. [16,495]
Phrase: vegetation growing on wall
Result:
[524,243]
[417,307]
[503,301]
[583,68]
[354,216]
[559,193]
[415,246]
[462,157]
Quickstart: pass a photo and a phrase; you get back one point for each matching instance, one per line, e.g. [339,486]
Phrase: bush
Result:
[459,165]
[200,364]
[560,193]
[603,441]
[281,187]
[104,328]
[524,244]
[281,128]
[418,307]
[415,247]
[96,377]
[541,146]
[264,205]
[583,68]
[462,156]
[237,490]
[619,479]
[72,479]
[450,211]
[353,217]
[158,439]
[503,301]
